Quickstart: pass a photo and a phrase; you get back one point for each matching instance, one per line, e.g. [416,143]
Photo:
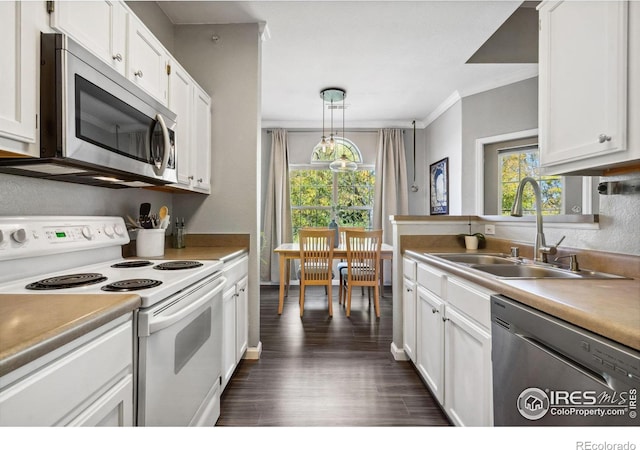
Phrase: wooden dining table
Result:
[290,251]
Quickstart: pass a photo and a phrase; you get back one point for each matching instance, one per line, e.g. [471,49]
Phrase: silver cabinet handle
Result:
[199,180]
[190,177]
[138,73]
[434,310]
[117,57]
[444,319]
[603,138]
[409,290]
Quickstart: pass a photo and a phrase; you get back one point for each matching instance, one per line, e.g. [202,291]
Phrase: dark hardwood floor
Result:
[321,371]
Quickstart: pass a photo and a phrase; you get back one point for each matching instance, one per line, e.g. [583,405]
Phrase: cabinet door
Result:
[180,102]
[467,361]
[19,47]
[583,84]
[409,318]
[242,318]
[202,140]
[228,334]
[147,60]
[430,341]
[98,25]
[113,409]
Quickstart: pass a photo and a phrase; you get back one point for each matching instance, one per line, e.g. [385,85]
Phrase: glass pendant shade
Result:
[343,164]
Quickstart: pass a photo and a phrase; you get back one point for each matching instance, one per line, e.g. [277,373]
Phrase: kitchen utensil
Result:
[163,212]
[133,222]
[145,221]
[164,223]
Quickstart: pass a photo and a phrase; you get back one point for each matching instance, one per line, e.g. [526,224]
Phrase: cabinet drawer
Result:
[431,279]
[474,301]
[236,269]
[409,268]
[49,395]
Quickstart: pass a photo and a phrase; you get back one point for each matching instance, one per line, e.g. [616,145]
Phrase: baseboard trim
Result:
[398,353]
[253,352]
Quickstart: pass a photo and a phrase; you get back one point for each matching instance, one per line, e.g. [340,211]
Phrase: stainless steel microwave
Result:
[97,127]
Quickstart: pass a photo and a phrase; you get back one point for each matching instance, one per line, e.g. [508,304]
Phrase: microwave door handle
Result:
[167,144]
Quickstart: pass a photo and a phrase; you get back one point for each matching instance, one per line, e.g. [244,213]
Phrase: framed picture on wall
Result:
[439,187]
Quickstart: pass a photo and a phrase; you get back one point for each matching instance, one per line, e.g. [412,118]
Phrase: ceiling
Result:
[399,61]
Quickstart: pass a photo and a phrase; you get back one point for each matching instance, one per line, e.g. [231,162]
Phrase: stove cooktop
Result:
[152,280]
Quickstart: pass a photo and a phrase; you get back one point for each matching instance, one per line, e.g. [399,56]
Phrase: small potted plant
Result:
[472,241]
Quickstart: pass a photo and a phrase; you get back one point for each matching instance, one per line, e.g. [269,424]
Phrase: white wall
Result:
[229,69]
[442,140]
[32,196]
[507,109]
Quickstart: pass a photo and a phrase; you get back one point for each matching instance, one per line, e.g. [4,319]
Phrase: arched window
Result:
[318,194]
[343,147]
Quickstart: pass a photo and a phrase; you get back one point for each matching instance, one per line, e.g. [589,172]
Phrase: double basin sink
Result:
[503,266]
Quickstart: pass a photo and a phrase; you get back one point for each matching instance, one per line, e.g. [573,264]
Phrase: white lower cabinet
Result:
[228,334]
[235,320]
[87,382]
[430,342]
[453,345]
[467,364]
[409,318]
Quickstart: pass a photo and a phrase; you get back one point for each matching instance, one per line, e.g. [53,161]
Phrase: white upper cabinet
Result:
[19,45]
[192,106]
[589,83]
[180,102]
[112,32]
[147,60]
[202,140]
[98,25]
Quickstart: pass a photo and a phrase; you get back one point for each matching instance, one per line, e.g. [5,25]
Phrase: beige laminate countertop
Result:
[608,307]
[31,325]
[206,253]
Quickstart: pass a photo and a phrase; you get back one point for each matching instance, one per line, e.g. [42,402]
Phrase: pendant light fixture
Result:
[341,163]
[323,141]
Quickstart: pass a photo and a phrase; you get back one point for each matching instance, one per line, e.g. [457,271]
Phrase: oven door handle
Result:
[166,321]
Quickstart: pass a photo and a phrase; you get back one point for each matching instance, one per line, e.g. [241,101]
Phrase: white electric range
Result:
[179,325]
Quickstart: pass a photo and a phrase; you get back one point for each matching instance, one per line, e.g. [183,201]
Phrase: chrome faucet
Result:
[540,247]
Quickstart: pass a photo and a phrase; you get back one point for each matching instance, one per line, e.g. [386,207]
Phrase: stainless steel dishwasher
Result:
[548,372]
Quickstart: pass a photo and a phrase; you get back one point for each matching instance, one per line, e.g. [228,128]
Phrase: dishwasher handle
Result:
[598,378]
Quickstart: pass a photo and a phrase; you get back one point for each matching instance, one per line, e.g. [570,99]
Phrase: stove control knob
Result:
[87,233]
[119,230]
[20,235]
[108,230]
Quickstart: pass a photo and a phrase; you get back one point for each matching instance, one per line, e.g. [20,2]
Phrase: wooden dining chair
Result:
[316,261]
[342,265]
[363,264]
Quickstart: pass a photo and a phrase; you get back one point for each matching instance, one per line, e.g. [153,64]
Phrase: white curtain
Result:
[391,196]
[277,209]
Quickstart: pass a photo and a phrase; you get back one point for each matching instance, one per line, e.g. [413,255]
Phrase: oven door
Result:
[179,362]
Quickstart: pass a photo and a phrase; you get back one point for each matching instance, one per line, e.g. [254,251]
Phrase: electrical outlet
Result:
[489,229]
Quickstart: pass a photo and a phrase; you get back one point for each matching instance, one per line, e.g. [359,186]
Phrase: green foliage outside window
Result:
[318,194]
[514,166]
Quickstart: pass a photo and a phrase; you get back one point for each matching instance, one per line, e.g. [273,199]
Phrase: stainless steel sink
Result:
[477,258]
[501,265]
[533,271]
